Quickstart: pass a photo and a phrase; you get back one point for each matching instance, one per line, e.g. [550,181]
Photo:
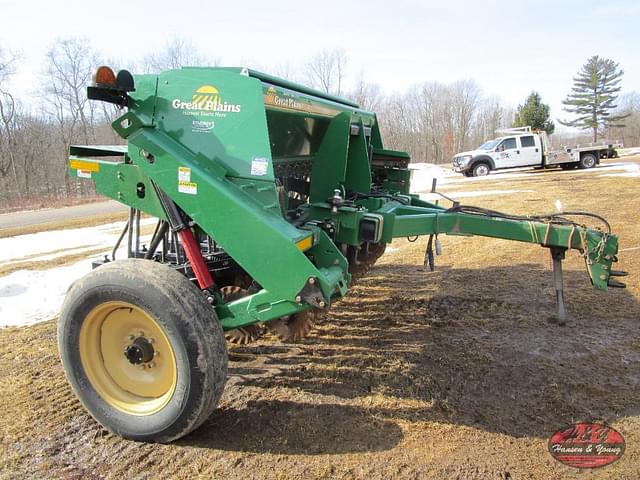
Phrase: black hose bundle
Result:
[353,196]
[559,218]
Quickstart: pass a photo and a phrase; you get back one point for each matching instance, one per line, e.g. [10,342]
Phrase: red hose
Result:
[194,255]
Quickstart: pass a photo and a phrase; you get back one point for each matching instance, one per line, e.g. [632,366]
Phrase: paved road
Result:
[36,217]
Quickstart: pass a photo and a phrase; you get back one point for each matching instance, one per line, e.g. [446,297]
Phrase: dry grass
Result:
[64,224]
[38,203]
[62,260]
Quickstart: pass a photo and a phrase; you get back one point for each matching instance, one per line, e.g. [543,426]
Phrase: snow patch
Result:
[422,175]
[625,152]
[59,242]
[28,297]
[631,170]
[31,296]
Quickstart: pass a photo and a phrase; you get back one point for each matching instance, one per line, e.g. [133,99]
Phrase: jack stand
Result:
[429,259]
[557,254]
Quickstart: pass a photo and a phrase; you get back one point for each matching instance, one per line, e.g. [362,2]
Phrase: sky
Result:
[509,47]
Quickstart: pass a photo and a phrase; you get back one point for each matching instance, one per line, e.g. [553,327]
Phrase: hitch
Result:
[615,283]
[557,255]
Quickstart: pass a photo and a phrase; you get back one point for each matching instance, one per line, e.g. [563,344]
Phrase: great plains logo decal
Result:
[206,101]
[272,98]
[284,100]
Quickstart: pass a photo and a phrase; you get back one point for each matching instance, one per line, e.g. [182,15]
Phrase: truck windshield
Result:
[490,145]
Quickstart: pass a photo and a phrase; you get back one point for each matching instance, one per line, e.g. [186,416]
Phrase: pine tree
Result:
[535,114]
[593,95]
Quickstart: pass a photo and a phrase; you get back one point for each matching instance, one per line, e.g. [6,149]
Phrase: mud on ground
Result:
[452,374]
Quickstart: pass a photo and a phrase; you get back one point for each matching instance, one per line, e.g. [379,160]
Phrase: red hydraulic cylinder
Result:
[192,249]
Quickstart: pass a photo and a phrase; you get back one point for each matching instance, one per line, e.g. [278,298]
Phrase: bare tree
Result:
[326,71]
[433,121]
[465,95]
[7,114]
[629,131]
[177,52]
[367,95]
[283,70]
[68,71]
[490,117]
[436,120]
[7,65]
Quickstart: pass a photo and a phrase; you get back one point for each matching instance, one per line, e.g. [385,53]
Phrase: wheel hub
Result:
[139,352]
[482,170]
[120,344]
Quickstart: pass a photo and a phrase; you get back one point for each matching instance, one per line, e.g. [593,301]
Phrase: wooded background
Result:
[432,120]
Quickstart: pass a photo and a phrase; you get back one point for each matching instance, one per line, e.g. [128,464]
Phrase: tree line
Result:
[432,120]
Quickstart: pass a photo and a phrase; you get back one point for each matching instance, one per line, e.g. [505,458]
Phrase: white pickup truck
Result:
[522,147]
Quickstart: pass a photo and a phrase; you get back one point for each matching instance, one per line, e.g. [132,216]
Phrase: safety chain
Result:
[599,250]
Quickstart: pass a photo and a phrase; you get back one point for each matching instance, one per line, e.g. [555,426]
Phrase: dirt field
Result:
[454,374]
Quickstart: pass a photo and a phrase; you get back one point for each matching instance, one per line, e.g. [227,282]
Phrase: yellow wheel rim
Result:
[110,340]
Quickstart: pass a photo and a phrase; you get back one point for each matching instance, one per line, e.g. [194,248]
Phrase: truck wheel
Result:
[142,349]
[481,170]
[588,160]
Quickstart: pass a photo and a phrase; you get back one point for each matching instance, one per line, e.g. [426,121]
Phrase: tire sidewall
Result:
[476,168]
[190,396]
[591,164]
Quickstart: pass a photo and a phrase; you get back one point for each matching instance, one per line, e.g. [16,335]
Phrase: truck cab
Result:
[516,150]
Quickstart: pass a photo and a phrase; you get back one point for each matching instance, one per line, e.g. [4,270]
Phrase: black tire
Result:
[481,169]
[588,160]
[190,327]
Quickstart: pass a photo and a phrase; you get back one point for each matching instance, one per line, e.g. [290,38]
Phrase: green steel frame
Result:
[208,138]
